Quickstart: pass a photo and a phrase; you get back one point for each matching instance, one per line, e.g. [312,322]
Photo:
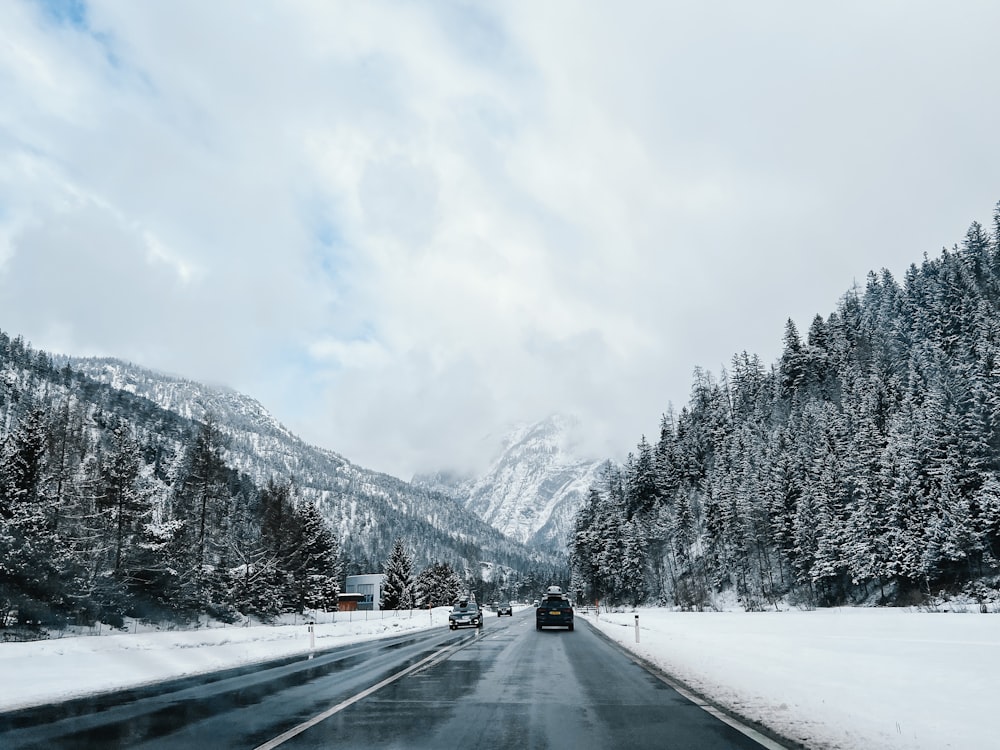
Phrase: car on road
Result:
[504,608]
[465,614]
[554,610]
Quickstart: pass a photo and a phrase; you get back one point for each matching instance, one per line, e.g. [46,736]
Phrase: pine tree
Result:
[280,538]
[203,503]
[250,567]
[321,566]
[793,366]
[156,587]
[202,495]
[22,464]
[29,543]
[633,564]
[397,589]
[122,498]
[437,585]
[582,547]
[641,480]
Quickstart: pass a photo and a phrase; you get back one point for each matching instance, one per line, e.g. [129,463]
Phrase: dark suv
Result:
[554,610]
[465,613]
[504,608]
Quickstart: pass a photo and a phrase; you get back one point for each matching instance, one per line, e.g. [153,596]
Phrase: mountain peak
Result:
[535,484]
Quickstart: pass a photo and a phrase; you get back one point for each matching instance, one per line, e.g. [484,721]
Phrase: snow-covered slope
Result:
[533,488]
[366,509]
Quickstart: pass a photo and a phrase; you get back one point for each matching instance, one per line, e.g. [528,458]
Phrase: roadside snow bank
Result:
[48,671]
[846,678]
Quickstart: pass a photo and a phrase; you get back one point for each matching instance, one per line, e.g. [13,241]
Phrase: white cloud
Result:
[404,226]
[159,253]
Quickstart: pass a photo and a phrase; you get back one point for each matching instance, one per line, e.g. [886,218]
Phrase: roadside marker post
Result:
[637,628]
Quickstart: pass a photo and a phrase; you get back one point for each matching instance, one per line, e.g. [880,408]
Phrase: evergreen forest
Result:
[101,519]
[862,467]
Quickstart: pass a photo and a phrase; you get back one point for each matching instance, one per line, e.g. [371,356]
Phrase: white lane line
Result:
[761,739]
[284,737]
[739,726]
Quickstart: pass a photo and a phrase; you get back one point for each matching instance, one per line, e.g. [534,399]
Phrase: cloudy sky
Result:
[402,226]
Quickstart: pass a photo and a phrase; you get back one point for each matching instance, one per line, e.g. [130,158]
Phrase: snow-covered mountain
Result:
[367,509]
[534,486]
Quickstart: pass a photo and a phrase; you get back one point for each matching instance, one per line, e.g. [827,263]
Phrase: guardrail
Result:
[19,635]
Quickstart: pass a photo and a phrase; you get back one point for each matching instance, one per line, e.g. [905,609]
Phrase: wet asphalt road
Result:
[506,686]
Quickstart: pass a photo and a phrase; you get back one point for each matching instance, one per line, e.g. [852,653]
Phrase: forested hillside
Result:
[862,466]
[368,510]
[128,493]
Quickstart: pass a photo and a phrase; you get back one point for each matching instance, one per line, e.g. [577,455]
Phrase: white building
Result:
[369,584]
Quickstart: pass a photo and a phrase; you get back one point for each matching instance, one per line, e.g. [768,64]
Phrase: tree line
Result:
[864,465]
[102,518]
[439,584]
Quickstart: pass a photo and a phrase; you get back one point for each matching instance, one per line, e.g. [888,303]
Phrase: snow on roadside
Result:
[846,678]
[48,671]
[837,679]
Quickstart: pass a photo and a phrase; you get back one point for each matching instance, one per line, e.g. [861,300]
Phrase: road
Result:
[505,686]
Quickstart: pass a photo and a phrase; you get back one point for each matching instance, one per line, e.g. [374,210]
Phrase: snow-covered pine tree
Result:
[397,590]
[29,543]
[633,564]
[121,499]
[321,566]
[437,585]
[201,500]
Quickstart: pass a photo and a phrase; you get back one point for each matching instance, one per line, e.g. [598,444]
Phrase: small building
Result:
[370,586]
[349,602]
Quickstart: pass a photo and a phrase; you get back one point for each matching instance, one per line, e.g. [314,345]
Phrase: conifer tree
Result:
[29,543]
[397,589]
[202,494]
[280,537]
[633,564]
[121,498]
[641,480]
[437,585]
[321,566]
[202,502]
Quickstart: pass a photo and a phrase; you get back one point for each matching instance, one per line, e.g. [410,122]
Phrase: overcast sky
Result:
[402,226]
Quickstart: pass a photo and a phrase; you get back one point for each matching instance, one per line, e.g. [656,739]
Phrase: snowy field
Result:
[846,678]
[850,679]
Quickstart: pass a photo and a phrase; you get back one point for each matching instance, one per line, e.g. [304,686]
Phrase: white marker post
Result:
[312,638]
[637,628]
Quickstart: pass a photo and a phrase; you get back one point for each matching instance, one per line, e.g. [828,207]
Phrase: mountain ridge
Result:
[534,485]
[364,507]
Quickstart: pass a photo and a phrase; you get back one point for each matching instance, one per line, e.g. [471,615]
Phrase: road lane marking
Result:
[761,739]
[297,730]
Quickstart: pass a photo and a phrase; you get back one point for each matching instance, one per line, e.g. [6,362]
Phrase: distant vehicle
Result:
[555,610]
[504,608]
[465,614]
[535,603]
